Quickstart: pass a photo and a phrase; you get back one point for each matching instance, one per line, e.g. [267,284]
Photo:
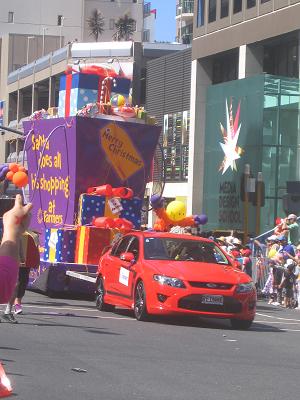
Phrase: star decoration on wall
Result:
[230,137]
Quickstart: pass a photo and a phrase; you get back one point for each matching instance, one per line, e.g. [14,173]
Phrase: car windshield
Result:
[183,250]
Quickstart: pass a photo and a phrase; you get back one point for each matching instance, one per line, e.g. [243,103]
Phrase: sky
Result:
[165,20]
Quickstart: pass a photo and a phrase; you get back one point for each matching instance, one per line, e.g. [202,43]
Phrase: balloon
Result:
[278,221]
[20,179]
[13,167]
[176,210]
[21,168]
[3,172]
[9,175]
[201,219]
[118,100]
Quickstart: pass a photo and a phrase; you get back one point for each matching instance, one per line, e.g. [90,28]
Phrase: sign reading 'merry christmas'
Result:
[67,156]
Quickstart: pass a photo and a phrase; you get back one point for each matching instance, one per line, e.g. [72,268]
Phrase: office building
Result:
[244,109]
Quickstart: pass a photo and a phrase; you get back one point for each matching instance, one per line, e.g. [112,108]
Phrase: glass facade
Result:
[261,116]
[176,145]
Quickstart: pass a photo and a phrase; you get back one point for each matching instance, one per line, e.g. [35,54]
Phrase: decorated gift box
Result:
[90,243]
[60,245]
[76,90]
[93,206]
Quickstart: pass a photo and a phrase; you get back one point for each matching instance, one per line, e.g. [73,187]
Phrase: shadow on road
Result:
[8,348]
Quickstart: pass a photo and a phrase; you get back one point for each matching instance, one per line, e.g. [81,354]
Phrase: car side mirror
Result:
[127,257]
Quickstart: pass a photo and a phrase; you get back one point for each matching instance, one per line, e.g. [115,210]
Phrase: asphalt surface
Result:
[119,358]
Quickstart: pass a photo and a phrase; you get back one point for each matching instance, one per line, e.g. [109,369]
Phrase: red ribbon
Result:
[68,94]
[109,191]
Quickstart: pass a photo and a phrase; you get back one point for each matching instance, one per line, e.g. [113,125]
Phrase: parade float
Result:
[88,164]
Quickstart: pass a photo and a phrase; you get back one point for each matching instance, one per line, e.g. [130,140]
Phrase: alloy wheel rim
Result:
[100,293]
[139,299]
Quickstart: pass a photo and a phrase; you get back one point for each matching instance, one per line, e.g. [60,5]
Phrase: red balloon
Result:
[9,175]
[277,221]
[13,167]
[20,179]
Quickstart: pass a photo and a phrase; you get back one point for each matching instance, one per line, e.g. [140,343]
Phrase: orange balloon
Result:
[21,168]
[13,167]
[9,175]
[20,179]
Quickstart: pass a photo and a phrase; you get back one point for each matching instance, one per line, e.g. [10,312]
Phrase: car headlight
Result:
[245,287]
[167,280]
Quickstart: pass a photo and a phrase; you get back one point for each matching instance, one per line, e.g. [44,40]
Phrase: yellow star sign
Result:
[120,151]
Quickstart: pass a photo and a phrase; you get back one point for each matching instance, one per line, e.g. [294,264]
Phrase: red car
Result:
[164,273]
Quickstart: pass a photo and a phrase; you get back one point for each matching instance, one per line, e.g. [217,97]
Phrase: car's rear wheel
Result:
[140,307]
[241,323]
[100,291]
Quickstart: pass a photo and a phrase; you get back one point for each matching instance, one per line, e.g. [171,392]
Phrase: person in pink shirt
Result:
[15,222]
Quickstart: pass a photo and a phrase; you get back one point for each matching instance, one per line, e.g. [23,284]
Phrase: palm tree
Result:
[96,24]
[125,27]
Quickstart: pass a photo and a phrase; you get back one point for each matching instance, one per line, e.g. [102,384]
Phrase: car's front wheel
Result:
[100,291]
[241,323]
[140,307]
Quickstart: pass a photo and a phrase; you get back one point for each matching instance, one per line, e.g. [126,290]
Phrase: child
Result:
[288,283]
[269,288]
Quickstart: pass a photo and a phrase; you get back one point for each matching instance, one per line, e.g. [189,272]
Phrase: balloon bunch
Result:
[173,215]
[15,173]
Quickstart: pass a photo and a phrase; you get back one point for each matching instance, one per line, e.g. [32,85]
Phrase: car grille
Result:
[211,285]
[194,303]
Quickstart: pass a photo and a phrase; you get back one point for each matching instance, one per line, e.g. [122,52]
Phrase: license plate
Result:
[211,299]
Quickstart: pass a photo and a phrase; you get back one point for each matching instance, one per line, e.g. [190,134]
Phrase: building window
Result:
[200,12]
[282,59]
[237,6]
[147,9]
[225,67]
[60,20]
[111,24]
[11,17]
[264,1]
[251,3]
[146,35]
[134,1]
[224,8]
[212,10]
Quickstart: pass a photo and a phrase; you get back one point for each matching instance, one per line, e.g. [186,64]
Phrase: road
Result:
[165,359]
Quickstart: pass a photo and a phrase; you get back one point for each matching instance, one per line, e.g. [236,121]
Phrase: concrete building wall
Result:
[32,17]
[249,26]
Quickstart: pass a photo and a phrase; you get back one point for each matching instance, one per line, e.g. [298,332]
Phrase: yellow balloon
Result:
[176,210]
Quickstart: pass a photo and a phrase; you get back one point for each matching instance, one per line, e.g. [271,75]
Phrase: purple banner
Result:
[66,156]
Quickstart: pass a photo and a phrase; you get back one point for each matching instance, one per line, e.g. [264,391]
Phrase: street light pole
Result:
[61,31]
[27,52]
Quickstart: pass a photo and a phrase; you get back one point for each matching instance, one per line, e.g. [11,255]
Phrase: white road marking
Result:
[78,309]
[277,322]
[280,318]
